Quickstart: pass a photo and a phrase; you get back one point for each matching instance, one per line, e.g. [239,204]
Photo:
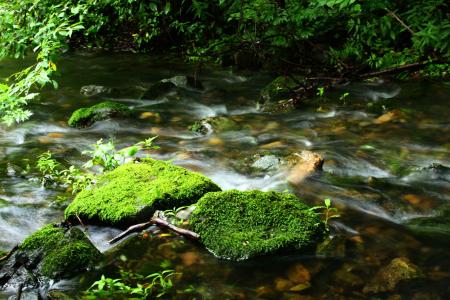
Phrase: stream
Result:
[381,171]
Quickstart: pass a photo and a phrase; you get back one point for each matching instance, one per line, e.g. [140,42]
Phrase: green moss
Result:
[280,88]
[69,258]
[239,225]
[133,191]
[87,116]
[63,252]
[217,124]
[45,239]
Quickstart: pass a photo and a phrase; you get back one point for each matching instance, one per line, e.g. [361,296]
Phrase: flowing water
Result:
[380,173]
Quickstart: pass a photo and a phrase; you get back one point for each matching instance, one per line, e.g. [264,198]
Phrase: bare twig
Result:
[8,255]
[394,15]
[81,222]
[130,229]
[394,70]
[184,232]
[156,220]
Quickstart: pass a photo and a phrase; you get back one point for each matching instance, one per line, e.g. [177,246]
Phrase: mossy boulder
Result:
[432,227]
[239,225]
[214,124]
[159,89]
[86,116]
[53,252]
[134,191]
[281,88]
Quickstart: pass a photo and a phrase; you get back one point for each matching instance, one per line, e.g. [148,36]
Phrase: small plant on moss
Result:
[54,173]
[130,284]
[327,211]
[344,96]
[108,158]
[104,155]
[172,213]
[320,91]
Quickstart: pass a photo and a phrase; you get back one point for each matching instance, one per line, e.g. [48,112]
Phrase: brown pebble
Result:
[55,135]
[189,258]
[299,274]
[282,284]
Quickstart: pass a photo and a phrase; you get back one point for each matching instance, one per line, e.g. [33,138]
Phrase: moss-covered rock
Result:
[432,227]
[159,89]
[86,116]
[239,225]
[280,88]
[132,192]
[55,252]
[215,124]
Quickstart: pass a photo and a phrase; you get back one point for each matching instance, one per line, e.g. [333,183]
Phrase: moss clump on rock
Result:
[62,253]
[281,88]
[159,89]
[217,124]
[86,116]
[132,192]
[239,225]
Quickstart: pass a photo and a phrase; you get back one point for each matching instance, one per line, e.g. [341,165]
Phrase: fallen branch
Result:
[394,70]
[181,231]
[130,229]
[392,14]
[8,255]
[156,220]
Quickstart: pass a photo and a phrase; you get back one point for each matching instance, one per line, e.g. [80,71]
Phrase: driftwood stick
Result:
[8,255]
[130,229]
[156,220]
[81,222]
[392,14]
[181,231]
[394,70]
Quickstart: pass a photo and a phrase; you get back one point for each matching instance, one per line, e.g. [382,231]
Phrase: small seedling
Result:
[328,212]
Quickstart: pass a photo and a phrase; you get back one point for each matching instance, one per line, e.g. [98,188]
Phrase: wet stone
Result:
[387,278]
[239,225]
[94,90]
[52,252]
[267,163]
[305,164]
[86,116]
[134,191]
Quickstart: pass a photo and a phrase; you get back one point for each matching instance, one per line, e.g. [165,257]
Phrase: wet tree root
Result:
[156,220]
[8,255]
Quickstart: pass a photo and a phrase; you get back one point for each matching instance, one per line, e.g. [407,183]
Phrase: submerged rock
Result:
[281,88]
[94,90]
[86,116]
[214,124]
[266,163]
[134,191]
[433,172]
[159,89]
[304,164]
[51,252]
[387,278]
[240,225]
[432,228]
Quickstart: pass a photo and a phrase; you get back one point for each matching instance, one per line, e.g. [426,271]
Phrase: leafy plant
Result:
[54,173]
[130,284]
[327,211]
[104,155]
[108,158]
[320,91]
